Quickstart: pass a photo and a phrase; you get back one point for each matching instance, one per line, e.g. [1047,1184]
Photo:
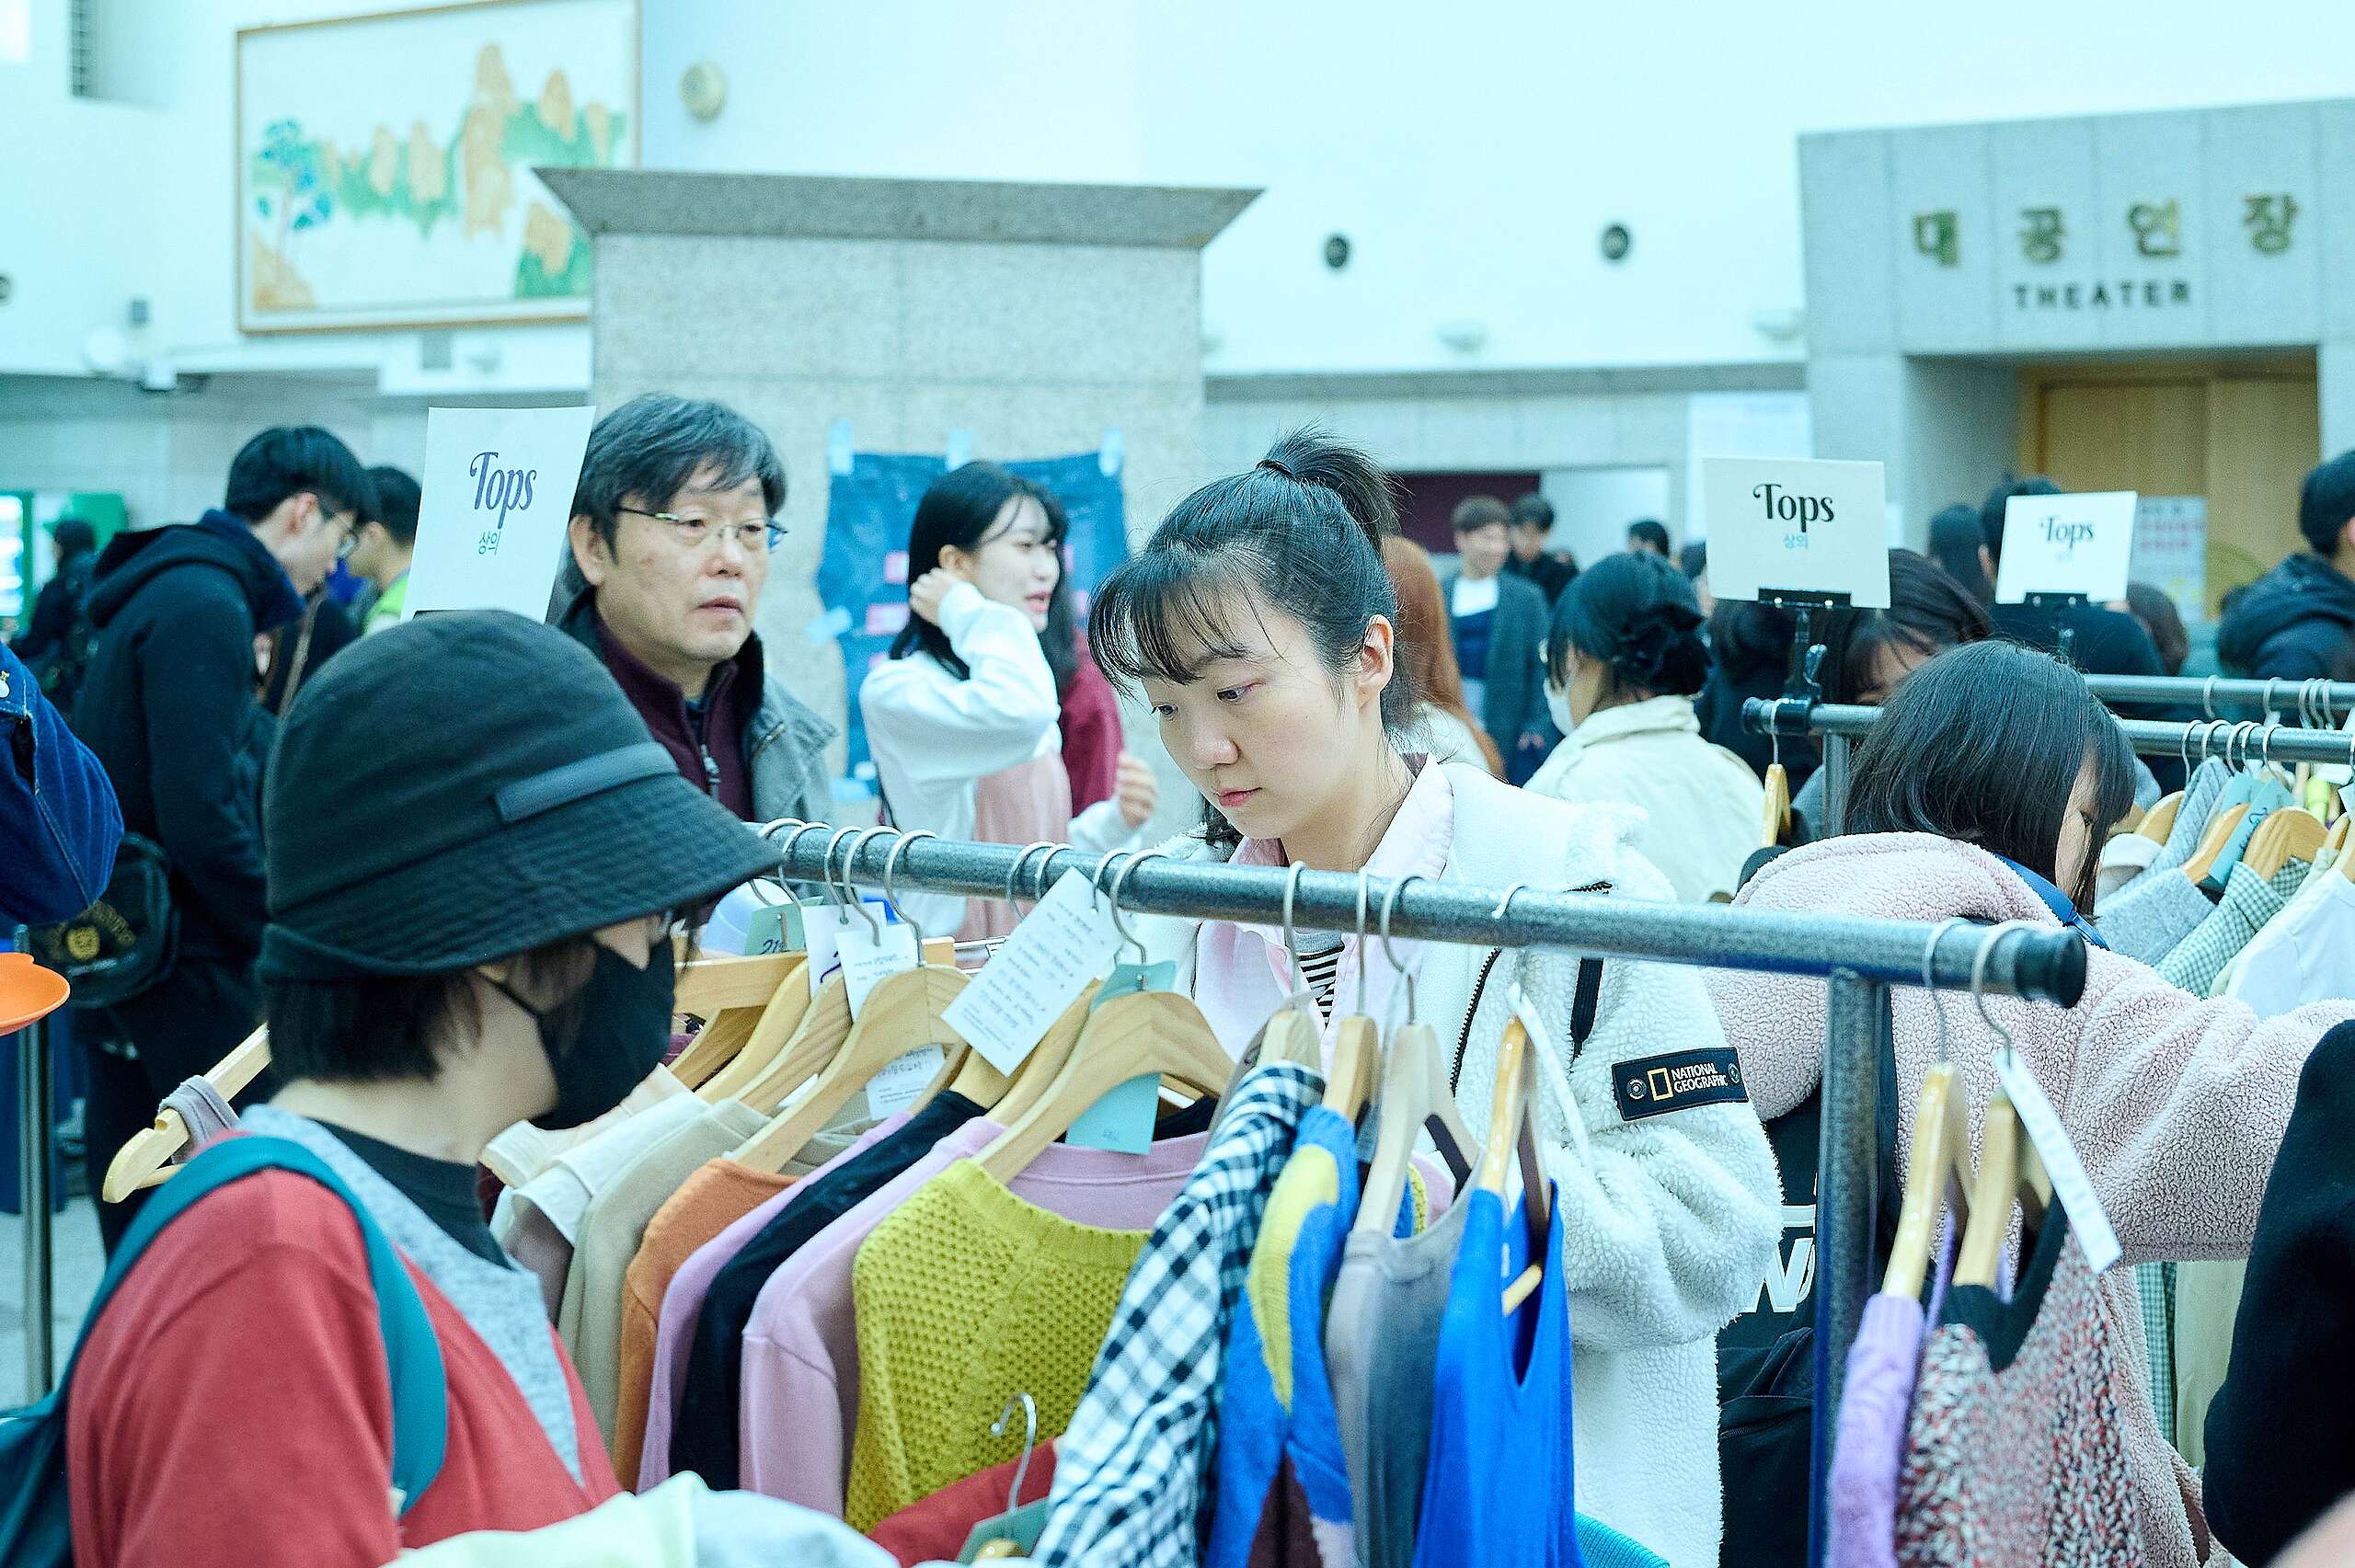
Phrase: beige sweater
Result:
[2176,1105]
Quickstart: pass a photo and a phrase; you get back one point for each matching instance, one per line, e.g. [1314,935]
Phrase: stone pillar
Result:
[1033,317]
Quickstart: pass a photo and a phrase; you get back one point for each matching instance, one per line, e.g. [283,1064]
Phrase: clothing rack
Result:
[1840,725]
[1860,960]
[2316,700]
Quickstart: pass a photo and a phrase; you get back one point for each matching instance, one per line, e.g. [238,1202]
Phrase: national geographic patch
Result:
[1658,1084]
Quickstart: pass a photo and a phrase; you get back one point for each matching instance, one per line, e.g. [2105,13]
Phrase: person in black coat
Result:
[1551,571]
[55,641]
[2297,621]
[1498,623]
[2281,1432]
[168,707]
[2104,641]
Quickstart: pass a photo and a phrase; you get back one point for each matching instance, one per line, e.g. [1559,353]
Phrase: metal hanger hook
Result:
[2270,681]
[1128,937]
[1096,878]
[1506,902]
[1291,937]
[1995,935]
[857,904]
[2207,697]
[826,869]
[1390,902]
[1365,880]
[1029,1440]
[1930,982]
[890,892]
[1014,873]
[783,851]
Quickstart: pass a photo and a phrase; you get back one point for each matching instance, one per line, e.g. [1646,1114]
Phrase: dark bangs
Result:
[1166,615]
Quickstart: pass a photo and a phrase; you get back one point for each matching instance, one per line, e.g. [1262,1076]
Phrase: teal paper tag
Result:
[1022,1527]
[1123,1120]
[774,929]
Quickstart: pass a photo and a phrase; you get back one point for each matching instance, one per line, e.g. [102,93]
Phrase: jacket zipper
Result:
[1479,989]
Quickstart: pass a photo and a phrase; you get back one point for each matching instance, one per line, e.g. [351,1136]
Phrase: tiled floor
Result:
[78,1264]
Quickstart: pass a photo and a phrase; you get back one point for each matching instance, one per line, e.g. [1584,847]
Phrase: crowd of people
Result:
[445,859]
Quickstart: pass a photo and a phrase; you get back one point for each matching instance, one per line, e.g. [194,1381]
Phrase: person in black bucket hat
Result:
[475,850]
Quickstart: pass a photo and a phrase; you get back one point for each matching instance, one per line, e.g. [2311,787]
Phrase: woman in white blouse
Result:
[962,716]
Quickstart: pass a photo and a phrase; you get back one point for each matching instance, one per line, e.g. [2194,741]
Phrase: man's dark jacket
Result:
[2297,623]
[168,707]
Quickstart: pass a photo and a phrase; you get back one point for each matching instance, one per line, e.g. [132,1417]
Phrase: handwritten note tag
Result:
[776,929]
[868,956]
[903,1079]
[1796,525]
[2070,1183]
[496,502]
[2078,543]
[822,929]
[1067,941]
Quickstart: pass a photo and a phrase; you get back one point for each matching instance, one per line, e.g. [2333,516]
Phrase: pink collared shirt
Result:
[1242,973]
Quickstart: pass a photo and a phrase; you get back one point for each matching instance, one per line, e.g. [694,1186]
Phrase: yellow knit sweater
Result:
[965,1296]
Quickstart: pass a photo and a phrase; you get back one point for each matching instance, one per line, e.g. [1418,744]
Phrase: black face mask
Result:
[604,1041]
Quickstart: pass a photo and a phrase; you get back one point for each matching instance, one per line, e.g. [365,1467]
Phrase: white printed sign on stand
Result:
[497,500]
[2071,545]
[1797,526]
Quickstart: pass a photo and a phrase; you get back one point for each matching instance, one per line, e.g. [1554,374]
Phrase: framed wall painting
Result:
[385,162]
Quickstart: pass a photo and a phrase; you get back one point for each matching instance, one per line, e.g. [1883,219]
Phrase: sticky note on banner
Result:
[2072,1184]
[1067,941]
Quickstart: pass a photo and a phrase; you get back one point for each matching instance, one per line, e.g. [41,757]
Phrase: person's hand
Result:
[925,594]
[1136,789]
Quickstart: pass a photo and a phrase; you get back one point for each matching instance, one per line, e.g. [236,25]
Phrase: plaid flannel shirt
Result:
[1133,1470]
[2249,901]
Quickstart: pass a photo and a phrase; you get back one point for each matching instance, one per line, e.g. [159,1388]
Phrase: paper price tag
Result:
[823,930]
[1123,1120]
[2071,1184]
[776,929]
[869,957]
[1067,941]
[2077,543]
[896,1087]
[1797,526]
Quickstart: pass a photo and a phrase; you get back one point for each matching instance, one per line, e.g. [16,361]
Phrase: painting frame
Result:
[423,314]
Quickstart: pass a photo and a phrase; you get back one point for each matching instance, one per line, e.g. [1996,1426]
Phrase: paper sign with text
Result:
[903,1079]
[869,957]
[1796,525]
[2077,543]
[2072,1184]
[1067,941]
[498,500]
[822,928]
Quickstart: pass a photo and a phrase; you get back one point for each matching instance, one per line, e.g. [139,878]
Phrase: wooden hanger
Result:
[2010,1170]
[147,1158]
[901,1014]
[1507,1129]
[711,987]
[2335,839]
[1415,1096]
[1145,1032]
[1777,825]
[1940,1155]
[2290,833]
[1038,1072]
[2159,820]
[2213,846]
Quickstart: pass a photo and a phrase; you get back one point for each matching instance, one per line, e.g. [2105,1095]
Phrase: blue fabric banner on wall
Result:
[863,573]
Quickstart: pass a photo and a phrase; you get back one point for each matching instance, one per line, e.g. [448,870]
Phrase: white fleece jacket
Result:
[1668,1220]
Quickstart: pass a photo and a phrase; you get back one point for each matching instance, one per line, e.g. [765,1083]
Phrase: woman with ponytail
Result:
[1623,661]
[1262,630]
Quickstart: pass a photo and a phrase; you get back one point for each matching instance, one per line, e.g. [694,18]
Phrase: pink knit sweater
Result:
[2176,1105]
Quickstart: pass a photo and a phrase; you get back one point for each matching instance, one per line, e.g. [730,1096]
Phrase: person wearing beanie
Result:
[478,933]
[1622,664]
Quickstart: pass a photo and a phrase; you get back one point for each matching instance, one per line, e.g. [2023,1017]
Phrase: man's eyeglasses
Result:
[349,542]
[692,533]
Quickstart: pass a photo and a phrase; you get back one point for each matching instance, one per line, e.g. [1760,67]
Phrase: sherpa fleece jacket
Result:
[1670,1215]
[2176,1106]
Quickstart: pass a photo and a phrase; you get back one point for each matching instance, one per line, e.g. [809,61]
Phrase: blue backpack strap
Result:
[412,1353]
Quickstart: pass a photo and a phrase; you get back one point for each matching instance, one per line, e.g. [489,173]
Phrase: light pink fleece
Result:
[800,1400]
[683,1303]
[2176,1105]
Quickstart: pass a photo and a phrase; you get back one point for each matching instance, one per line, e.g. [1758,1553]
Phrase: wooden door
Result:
[2242,434]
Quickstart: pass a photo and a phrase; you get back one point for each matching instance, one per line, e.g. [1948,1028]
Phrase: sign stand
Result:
[2064,638]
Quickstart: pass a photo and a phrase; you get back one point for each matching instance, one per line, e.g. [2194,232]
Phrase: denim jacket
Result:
[60,814]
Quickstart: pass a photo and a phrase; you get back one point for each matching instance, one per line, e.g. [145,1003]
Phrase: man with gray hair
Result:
[672,523]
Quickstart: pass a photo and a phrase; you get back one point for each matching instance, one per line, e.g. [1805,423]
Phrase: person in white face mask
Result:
[1622,664]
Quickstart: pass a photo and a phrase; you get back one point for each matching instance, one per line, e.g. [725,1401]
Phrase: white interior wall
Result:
[1592,507]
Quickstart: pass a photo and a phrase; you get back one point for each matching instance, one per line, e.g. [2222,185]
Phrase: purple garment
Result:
[1868,1448]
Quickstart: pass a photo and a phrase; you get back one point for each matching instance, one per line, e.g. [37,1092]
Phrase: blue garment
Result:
[2063,908]
[1471,643]
[1487,1497]
[1281,1469]
[63,823]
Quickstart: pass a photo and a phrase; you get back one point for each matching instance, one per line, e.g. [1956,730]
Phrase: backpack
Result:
[36,1514]
[123,945]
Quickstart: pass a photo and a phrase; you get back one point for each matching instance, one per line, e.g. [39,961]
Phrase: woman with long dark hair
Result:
[962,717]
